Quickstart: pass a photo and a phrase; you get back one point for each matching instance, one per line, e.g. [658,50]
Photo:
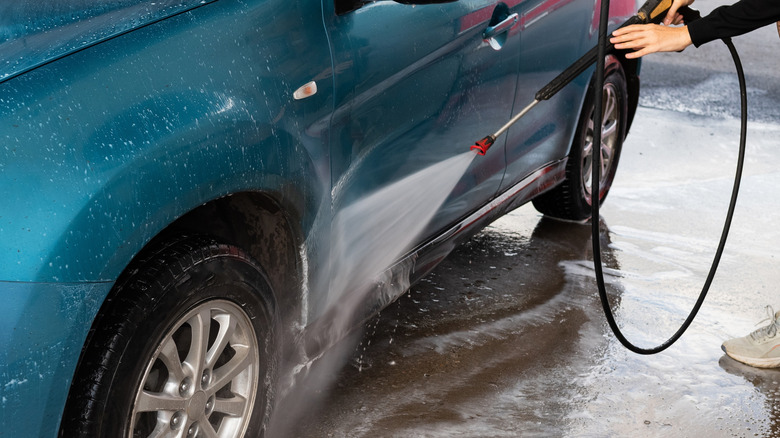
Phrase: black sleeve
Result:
[729,21]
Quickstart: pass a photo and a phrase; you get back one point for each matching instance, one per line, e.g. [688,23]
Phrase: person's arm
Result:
[737,19]
[723,22]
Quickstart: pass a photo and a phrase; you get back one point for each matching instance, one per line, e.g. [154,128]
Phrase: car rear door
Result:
[416,85]
[555,33]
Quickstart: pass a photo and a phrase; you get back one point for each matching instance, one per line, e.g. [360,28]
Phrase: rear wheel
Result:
[183,348]
[572,198]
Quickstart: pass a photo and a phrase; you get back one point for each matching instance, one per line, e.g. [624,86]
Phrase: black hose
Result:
[595,193]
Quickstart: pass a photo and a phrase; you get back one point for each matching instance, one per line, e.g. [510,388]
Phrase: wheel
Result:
[183,348]
[571,199]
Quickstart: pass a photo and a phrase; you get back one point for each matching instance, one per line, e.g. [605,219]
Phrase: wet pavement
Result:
[507,337]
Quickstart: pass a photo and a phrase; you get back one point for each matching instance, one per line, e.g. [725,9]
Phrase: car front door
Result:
[416,85]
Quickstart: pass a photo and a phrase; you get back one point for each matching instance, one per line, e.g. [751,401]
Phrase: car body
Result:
[127,123]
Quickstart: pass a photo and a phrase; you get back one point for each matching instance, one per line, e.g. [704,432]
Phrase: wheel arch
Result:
[631,67]
[258,223]
[588,79]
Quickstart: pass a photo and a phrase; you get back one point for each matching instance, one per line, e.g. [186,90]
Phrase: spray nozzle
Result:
[483,145]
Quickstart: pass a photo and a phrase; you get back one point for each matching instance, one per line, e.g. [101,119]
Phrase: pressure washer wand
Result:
[652,11]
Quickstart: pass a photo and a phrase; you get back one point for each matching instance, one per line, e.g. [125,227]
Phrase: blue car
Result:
[199,196]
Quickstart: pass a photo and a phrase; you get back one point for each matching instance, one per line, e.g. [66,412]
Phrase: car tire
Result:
[185,343]
[571,200]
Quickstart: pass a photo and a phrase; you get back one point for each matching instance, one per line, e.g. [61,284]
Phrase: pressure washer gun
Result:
[653,11]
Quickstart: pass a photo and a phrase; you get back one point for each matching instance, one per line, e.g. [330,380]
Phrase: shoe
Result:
[761,348]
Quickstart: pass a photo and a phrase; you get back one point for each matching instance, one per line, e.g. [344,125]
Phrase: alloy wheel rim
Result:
[609,141]
[202,379]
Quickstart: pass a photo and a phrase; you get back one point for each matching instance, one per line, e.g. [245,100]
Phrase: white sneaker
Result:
[761,348]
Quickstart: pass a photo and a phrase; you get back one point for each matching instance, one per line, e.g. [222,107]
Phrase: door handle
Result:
[496,35]
[500,28]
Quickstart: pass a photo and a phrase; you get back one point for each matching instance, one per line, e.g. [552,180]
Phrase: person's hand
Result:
[644,39]
[674,17]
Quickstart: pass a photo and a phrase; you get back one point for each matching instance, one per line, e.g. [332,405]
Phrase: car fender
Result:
[105,147]
[130,186]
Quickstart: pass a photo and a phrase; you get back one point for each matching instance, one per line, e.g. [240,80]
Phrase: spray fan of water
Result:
[374,232]
[367,238]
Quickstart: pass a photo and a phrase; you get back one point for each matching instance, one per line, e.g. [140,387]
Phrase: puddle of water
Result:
[548,366]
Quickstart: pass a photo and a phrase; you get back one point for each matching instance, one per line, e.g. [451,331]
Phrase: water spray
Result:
[652,11]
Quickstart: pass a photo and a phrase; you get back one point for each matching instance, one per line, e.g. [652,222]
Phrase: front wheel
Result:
[572,198]
[183,348]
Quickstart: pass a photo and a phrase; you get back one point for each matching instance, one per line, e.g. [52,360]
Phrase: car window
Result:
[33,32]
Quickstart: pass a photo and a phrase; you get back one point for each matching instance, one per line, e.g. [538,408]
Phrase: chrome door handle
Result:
[502,27]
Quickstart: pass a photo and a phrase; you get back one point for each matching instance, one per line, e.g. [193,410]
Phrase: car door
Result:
[555,33]
[416,85]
